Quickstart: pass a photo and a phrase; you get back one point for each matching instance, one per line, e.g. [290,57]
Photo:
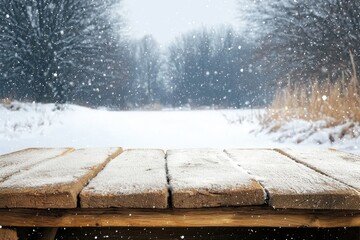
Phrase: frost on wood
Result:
[135,179]
[293,185]
[22,160]
[341,166]
[208,178]
[54,183]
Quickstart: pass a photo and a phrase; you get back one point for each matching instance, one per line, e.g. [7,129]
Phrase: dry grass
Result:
[340,102]
[336,103]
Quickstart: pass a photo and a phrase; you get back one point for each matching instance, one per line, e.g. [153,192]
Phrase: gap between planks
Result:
[289,155]
[209,178]
[267,195]
[215,217]
[171,192]
[291,184]
[169,200]
[55,183]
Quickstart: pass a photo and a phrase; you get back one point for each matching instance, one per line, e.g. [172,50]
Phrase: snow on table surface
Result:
[342,166]
[64,169]
[293,185]
[133,171]
[280,174]
[21,160]
[209,178]
[197,178]
[210,169]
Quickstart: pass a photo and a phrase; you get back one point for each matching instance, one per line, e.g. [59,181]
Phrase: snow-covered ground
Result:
[345,137]
[40,125]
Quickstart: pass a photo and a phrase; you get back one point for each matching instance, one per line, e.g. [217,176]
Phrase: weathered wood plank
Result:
[54,183]
[135,179]
[206,217]
[208,178]
[344,167]
[21,160]
[8,234]
[293,185]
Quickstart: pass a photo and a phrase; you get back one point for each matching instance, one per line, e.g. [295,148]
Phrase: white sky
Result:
[166,19]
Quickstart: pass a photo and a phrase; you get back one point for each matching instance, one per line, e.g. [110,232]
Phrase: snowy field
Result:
[38,125]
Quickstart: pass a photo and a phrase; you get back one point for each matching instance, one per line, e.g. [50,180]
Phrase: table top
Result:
[154,179]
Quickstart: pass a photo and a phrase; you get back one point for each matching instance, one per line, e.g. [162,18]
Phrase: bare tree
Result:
[307,39]
[147,65]
[51,50]
[212,67]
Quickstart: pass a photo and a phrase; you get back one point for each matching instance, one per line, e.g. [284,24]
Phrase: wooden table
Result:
[109,187]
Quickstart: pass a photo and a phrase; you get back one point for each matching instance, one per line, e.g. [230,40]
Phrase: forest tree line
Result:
[308,40]
[76,51]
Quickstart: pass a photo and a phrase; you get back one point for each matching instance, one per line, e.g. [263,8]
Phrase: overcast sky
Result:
[166,19]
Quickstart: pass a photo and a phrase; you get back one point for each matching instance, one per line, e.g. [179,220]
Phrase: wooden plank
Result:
[135,179]
[293,185]
[208,178]
[54,183]
[8,234]
[13,163]
[344,167]
[205,217]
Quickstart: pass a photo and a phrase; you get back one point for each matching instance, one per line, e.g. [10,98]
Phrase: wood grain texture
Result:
[8,234]
[293,185]
[16,162]
[56,182]
[208,178]
[206,217]
[135,179]
[344,167]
